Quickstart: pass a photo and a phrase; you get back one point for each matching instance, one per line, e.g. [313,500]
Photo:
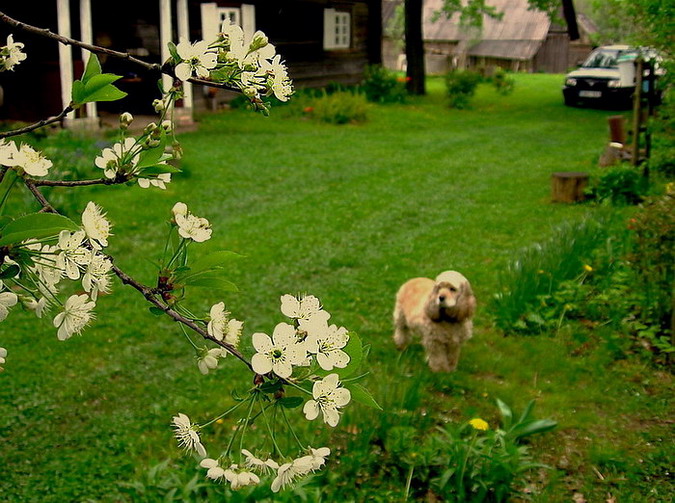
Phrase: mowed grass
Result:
[347,213]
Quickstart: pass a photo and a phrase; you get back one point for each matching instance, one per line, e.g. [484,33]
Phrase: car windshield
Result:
[601,59]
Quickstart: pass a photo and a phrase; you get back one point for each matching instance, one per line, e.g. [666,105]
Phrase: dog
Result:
[441,312]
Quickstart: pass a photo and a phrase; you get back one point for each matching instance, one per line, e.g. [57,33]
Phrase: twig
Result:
[37,125]
[46,206]
[77,183]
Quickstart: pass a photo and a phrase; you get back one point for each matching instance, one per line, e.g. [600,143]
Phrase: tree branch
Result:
[37,125]
[146,291]
[76,183]
[45,32]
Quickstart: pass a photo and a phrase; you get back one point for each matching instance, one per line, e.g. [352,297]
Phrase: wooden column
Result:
[165,37]
[568,187]
[184,32]
[65,54]
[86,32]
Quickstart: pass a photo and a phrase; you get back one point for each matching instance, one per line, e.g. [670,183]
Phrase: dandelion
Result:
[328,398]
[186,434]
[588,268]
[479,424]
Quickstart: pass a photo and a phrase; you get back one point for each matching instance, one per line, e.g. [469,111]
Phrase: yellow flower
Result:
[587,268]
[479,424]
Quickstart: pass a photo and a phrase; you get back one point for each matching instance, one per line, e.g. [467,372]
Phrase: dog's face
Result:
[446,295]
[452,298]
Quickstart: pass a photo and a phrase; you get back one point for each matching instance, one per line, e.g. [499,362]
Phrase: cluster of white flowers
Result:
[122,159]
[74,255]
[190,226]
[11,54]
[25,157]
[285,474]
[254,68]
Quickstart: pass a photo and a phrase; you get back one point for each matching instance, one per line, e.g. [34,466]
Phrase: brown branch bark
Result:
[37,125]
[77,183]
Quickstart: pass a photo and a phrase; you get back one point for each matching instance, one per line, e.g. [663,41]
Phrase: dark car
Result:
[599,81]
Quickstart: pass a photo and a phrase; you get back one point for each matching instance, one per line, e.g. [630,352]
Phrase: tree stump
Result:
[568,186]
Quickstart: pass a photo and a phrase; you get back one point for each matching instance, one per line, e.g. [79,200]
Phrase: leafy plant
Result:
[502,82]
[461,86]
[620,186]
[341,107]
[382,86]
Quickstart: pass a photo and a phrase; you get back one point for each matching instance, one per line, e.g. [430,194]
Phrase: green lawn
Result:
[347,213]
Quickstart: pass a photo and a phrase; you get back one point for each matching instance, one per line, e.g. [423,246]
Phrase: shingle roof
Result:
[518,35]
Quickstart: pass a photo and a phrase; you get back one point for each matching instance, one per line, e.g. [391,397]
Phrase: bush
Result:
[620,186]
[382,86]
[502,82]
[461,86]
[340,108]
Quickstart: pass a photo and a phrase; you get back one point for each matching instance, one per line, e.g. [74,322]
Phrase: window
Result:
[337,29]
[231,14]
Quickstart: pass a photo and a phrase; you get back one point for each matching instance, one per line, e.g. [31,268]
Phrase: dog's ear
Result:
[466,302]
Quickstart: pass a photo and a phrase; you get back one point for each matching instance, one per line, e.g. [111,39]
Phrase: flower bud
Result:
[150,128]
[167,125]
[258,42]
[158,105]
[250,92]
[125,119]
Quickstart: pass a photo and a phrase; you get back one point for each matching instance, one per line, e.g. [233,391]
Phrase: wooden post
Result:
[568,187]
[86,32]
[65,54]
[637,111]
[617,130]
[165,31]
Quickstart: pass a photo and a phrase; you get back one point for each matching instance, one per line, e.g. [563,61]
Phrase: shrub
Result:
[382,86]
[502,82]
[340,108]
[461,86]
[620,186]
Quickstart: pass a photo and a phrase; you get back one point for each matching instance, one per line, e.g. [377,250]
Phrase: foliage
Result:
[653,258]
[382,86]
[541,268]
[620,186]
[468,461]
[461,86]
[502,82]
[342,107]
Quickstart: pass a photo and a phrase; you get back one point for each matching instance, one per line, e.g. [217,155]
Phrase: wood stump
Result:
[568,186]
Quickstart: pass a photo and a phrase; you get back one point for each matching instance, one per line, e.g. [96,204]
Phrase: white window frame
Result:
[231,13]
[213,17]
[337,29]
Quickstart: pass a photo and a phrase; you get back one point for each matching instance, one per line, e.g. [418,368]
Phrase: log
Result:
[568,186]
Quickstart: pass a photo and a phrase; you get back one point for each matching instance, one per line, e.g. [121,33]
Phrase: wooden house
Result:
[322,41]
[522,40]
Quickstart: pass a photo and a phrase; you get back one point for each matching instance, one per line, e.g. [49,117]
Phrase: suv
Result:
[598,80]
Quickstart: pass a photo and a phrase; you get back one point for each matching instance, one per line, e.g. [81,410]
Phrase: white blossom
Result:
[186,434]
[72,254]
[190,226]
[319,457]
[326,342]
[3,355]
[11,54]
[258,464]
[328,398]
[279,353]
[214,470]
[7,300]
[288,472]
[38,306]
[96,226]
[217,325]
[32,161]
[233,332]
[208,360]
[96,277]
[120,158]
[196,58]
[75,316]
[8,150]
[160,181]
[302,308]
[240,478]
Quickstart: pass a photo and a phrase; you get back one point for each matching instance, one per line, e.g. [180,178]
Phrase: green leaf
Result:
[270,386]
[158,170]
[152,156]
[35,226]
[11,272]
[210,280]
[156,311]
[100,89]
[362,395]
[6,187]
[532,428]
[526,413]
[506,412]
[77,92]
[174,52]
[4,220]
[291,402]
[93,68]
[214,260]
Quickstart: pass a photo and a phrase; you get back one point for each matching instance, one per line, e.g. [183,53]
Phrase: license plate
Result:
[590,94]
